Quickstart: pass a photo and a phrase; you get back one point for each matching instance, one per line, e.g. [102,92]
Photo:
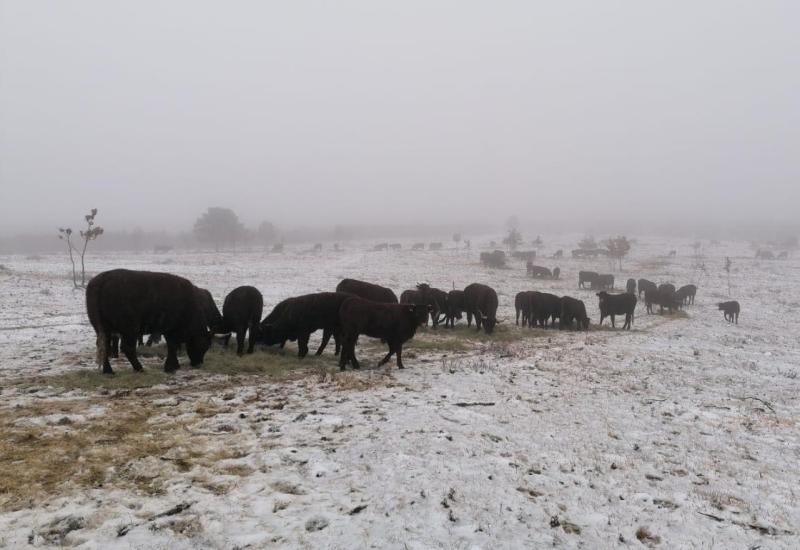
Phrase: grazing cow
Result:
[586,277]
[573,309]
[368,291]
[644,285]
[396,246]
[298,317]
[522,305]
[418,246]
[603,282]
[686,294]
[544,307]
[392,323]
[559,254]
[130,303]
[493,259]
[617,304]
[241,312]
[556,272]
[663,297]
[455,307]
[730,310]
[437,300]
[278,247]
[666,287]
[380,246]
[765,255]
[435,246]
[480,301]
[539,272]
[630,286]
[210,310]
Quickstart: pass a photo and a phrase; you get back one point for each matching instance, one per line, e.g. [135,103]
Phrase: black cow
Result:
[544,307]
[663,297]
[241,311]
[380,246]
[603,282]
[130,303]
[686,294]
[392,323]
[668,287]
[455,307]
[586,277]
[630,286]
[480,301]
[730,310]
[298,317]
[539,272]
[522,305]
[617,304]
[559,254]
[437,300]
[368,291]
[644,285]
[573,309]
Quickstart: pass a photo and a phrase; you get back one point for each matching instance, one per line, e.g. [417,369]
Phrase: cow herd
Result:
[123,305]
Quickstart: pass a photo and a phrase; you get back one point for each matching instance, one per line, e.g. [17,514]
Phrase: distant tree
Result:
[91,232]
[266,233]
[514,238]
[537,242]
[218,226]
[512,222]
[587,243]
[618,248]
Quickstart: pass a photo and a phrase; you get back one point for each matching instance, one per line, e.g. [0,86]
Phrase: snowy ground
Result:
[681,433]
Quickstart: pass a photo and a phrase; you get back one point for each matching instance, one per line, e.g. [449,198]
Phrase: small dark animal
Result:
[765,255]
[298,317]
[241,311]
[455,307]
[396,246]
[603,282]
[368,291]
[730,310]
[630,286]
[480,301]
[573,310]
[435,246]
[130,303]
[380,246]
[539,272]
[494,259]
[686,294]
[318,247]
[644,285]
[559,254]
[673,253]
[278,247]
[392,323]
[617,304]
[586,277]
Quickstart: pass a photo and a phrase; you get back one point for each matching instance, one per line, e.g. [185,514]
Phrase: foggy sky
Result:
[367,112]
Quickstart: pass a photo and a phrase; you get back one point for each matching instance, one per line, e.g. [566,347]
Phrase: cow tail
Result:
[93,311]
[102,349]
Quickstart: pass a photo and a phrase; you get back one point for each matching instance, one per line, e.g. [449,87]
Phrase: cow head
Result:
[488,322]
[267,335]
[584,323]
[603,295]
[196,347]
[418,312]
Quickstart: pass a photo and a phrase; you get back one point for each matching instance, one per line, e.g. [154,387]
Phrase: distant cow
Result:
[644,285]
[617,304]
[556,272]
[493,259]
[783,255]
[435,246]
[673,253]
[686,294]
[130,303]
[730,310]
[395,324]
[318,247]
[539,272]
[765,255]
[544,307]
[241,312]
[396,246]
[418,246]
[298,317]
[480,301]
[603,282]
[558,254]
[664,297]
[380,246]
[455,307]
[368,291]
[630,286]
[573,310]
[278,247]
[586,277]
[522,306]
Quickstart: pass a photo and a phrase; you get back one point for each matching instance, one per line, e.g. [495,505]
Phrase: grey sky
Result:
[347,112]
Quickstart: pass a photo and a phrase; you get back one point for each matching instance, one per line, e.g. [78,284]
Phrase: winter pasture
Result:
[681,433]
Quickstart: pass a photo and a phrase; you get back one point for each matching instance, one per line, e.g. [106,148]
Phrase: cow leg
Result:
[387,356]
[112,345]
[400,356]
[141,338]
[171,363]
[129,349]
[326,337]
[469,319]
[251,336]
[240,332]
[612,321]
[302,344]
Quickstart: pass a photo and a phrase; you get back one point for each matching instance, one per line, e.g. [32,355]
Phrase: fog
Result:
[322,113]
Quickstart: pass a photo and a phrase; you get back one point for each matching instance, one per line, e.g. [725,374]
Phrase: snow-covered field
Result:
[681,433]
